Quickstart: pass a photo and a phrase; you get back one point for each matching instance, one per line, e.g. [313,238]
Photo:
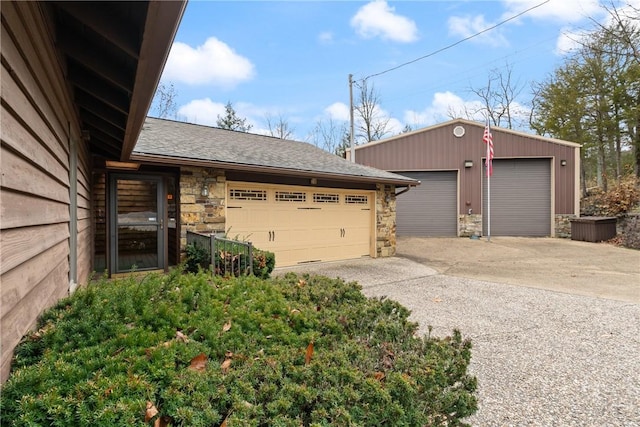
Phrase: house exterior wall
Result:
[437,149]
[206,214]
[45,221]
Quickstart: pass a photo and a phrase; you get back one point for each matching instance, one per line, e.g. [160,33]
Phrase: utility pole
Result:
[351,141]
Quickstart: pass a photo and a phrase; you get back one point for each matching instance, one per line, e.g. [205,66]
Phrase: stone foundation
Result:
[563,225]
[385,220]
[469,225]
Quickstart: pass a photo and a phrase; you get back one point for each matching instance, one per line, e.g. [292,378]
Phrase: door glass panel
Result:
[139,227]
[137,247]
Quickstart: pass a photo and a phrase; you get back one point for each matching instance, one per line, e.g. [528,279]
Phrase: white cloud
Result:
[338,111]
[564,11]
[443,106]
[214,63]
[377,19]
[201,111]
[446,105]
[466,26]
[206,112]
[569,40]
[325,37]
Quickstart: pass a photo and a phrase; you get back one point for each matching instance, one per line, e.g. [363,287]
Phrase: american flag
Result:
[487,138]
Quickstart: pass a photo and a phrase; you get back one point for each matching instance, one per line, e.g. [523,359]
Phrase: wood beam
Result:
[76,47]
[101,124]
[88,102]
[89,82]
[104,20]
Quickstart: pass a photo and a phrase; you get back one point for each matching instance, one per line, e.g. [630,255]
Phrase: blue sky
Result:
[291,59]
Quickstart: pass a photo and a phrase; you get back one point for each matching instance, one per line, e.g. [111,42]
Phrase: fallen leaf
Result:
[436,299]
[224,423]
[302,283]
[181,337]
[309,354]
[295,311]
[226,326]
[225,366]
[151,412]
[198,363]
[162,421]
[379,376]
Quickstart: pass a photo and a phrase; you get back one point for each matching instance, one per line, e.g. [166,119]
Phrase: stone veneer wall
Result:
[204,214]
[563,225]
[385,220]
[469,225]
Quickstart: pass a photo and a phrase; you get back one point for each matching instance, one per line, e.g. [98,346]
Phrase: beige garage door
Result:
[302,224]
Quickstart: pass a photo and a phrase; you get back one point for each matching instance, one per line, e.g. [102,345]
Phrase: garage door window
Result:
[291,196]
[326,198]
[255,195]
[353,199]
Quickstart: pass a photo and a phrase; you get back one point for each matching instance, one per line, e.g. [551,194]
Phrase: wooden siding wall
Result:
[439,149]
[37,124]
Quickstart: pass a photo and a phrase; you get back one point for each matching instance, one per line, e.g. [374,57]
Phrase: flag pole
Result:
[487,138]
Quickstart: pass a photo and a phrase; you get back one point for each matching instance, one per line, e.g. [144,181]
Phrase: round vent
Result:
[458,131]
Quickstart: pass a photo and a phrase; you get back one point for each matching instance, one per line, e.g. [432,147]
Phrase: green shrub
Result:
[229,262]
[198,257]
[298,350]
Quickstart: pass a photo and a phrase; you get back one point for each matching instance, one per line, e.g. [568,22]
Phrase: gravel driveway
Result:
[543,357]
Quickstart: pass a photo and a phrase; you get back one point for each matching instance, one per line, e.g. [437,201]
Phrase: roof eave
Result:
[182,161]
[163,19]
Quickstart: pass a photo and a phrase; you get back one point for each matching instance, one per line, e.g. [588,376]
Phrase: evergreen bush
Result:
[196,350]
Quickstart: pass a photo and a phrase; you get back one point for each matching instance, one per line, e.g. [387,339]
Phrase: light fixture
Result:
[205,190]
[130,166]
[468,163]
[314,181]
[563,162]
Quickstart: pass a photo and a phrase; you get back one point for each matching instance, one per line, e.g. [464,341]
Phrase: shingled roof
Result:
[177,143]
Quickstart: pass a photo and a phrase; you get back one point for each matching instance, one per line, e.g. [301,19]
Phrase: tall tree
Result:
[231,121]
[593,99]
[370,122]
[279,127]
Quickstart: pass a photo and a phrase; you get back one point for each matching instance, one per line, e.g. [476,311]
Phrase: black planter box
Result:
[593,228]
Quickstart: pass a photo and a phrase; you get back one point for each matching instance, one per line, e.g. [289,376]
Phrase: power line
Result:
[459,41]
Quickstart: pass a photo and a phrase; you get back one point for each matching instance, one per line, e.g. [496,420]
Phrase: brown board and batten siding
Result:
[38,123]
[437,149]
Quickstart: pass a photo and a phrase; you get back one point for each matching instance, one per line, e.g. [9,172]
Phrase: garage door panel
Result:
[520,198]
[303,224]
[430,209]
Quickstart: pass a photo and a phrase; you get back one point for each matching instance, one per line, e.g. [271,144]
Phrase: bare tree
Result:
[371,124]
[331,136]
[498,97]
[279,127]
[164,101]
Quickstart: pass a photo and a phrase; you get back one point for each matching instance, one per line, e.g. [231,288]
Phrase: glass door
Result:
[137,223]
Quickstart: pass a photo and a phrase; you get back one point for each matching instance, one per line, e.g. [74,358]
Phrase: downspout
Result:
[73,213]
[403,191]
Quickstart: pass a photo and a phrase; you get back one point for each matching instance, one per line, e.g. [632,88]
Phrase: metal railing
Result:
[226,256]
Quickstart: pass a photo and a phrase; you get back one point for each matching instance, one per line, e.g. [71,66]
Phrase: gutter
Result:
[175,161]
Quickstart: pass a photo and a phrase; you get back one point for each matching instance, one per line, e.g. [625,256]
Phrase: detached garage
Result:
[534,189]
[289,197]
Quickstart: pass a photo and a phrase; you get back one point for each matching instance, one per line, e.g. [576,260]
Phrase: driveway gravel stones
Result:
[542,358]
